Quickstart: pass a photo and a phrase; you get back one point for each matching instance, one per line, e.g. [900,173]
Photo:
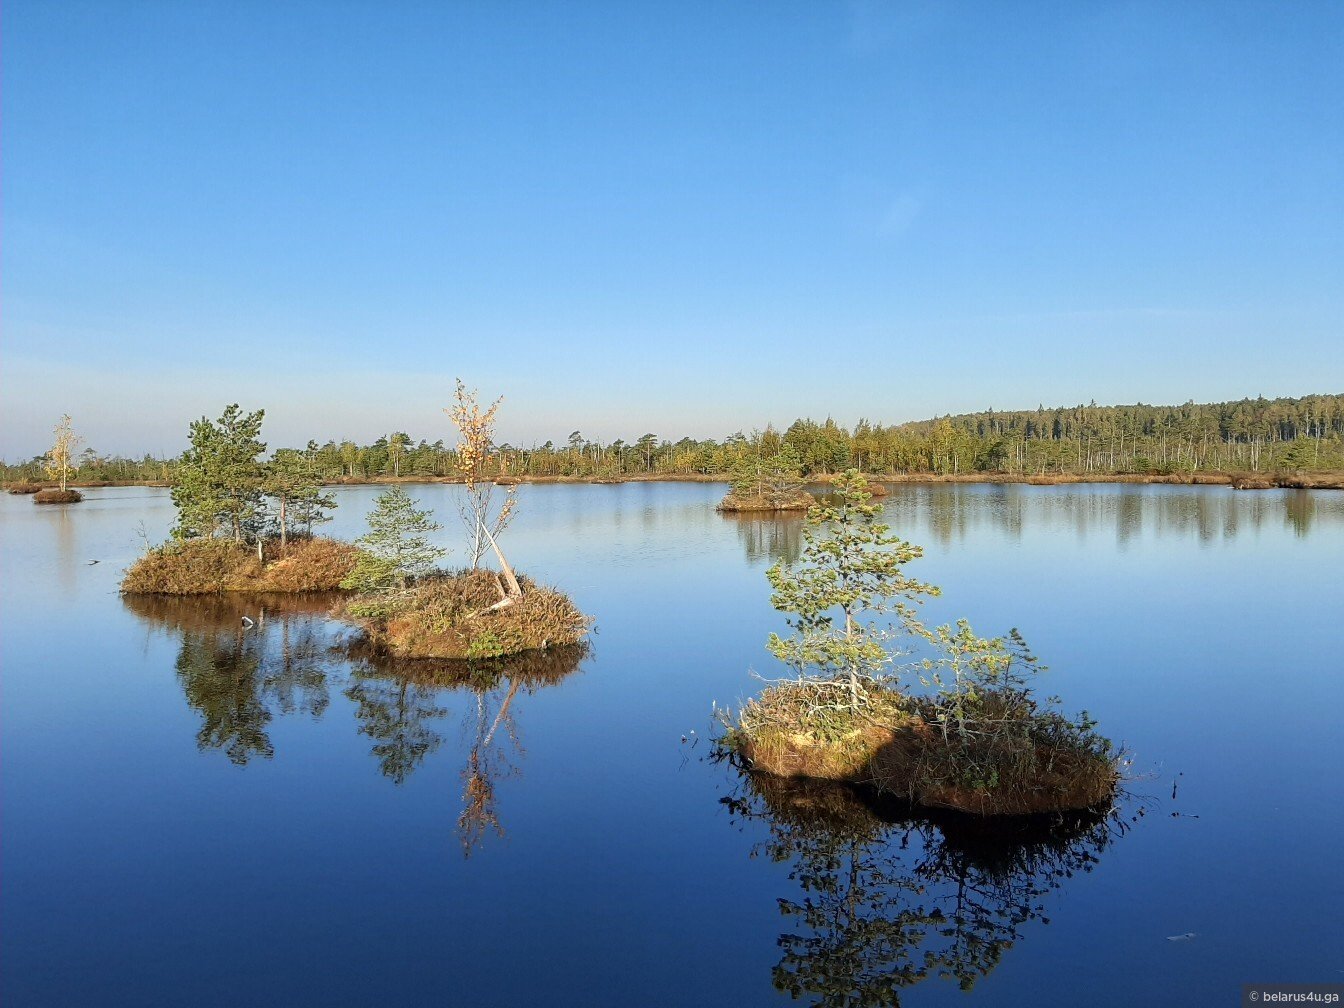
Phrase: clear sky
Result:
[681,218]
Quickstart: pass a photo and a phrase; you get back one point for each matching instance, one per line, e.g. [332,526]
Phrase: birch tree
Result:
[483,520]
[58,461]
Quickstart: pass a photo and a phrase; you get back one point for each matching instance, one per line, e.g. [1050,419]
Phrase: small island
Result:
[977,740]
[768,479]
[245,525]
[57,463]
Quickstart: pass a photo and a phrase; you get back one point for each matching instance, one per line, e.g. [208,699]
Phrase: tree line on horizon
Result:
[1249,435]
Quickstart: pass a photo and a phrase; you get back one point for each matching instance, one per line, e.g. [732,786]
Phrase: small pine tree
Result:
[850,567]
[396,548]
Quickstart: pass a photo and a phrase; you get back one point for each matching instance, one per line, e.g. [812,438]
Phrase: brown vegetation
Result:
[1009,758]
[796,500]
[55,495]
[24,487]
[207,566]
[459,615]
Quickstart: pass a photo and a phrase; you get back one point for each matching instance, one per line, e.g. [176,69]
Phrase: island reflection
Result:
[245,659]
[886,896]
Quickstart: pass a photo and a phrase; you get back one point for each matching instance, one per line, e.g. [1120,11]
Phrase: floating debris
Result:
[1181,937]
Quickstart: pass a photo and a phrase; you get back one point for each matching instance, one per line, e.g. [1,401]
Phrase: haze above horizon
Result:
[687,219]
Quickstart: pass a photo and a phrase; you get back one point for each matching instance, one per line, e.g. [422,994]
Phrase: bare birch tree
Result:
[60,455]
[484,522]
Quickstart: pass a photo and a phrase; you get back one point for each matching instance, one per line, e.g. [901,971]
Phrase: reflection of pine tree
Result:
[295,679]
[238,675]
[397,714]
[774,537]
[887,902]
[220,677]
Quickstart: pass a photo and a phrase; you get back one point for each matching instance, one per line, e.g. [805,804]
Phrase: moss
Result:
[208,566]
[1006,756]
[451,616]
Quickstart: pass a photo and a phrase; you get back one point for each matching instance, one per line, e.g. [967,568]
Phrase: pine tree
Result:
[850,567]
[396,548]
[218,487]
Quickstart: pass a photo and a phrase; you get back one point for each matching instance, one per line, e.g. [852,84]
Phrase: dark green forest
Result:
[1251,435]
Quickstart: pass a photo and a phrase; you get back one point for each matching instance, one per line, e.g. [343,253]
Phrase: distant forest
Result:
[1252,435]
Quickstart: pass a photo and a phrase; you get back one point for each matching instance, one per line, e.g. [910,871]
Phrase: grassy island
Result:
[57,495]
[210,566]
[766,481]
[795,500]
[467,614]
[410,610]
[1007,756]
[23,487]
[974,739]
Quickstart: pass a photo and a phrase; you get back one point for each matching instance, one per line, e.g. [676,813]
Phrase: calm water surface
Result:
[199,814]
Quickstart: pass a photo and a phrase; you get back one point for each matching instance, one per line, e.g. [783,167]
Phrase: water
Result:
[199,813]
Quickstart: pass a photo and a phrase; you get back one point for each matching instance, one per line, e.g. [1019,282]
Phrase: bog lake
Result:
[199,812]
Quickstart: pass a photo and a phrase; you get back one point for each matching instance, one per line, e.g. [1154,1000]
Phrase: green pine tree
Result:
[850,569]
[396,548]
[218,486]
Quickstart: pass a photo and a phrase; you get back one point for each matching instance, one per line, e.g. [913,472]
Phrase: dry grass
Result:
[798,500]
[23,487]
[207,566]
[1006,757]
[55,495]
[450,616]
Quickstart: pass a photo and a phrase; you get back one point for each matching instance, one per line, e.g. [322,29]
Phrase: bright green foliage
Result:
[850,568]
[219,478]
[396,548]
[775,477]
[972,667]
[293,486]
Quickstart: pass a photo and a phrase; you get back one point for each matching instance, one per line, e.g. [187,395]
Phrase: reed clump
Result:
[208,566]
[466,615]
[55,495]
[23,487]
[1001,753]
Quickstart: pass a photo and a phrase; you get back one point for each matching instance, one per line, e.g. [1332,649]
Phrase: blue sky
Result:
[680,218]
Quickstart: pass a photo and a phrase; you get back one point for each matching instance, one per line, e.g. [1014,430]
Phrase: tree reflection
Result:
[397,705]
[768,538]
[242,660]
[888,896]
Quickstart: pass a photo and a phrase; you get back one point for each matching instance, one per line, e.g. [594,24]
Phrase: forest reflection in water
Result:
[886,896]
[946,512]
[244,660]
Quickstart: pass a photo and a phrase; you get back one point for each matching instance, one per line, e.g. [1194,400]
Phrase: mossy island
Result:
[208,566]
[457,616]
[245,525]
[57,495]
[968,733]
[767,480]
